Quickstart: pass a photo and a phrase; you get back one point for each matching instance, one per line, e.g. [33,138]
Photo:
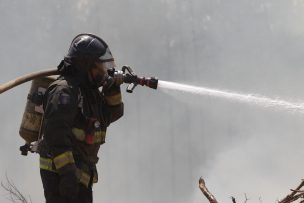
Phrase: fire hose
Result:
[129,77]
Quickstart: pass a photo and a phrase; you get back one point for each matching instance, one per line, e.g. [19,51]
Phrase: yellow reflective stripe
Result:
[95,177]
[79,134]
[63,159]
[99,136]
[83,177]
[114,99]
[46,164]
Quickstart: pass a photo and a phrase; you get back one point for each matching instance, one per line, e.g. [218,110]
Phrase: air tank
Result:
[32,116]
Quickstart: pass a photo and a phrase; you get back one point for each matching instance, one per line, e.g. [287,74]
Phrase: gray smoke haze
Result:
[165,142]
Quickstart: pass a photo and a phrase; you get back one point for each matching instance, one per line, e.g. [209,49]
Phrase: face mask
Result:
[98,81]
[100,74]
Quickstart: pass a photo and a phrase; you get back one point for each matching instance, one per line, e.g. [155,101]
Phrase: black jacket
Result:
[76,118]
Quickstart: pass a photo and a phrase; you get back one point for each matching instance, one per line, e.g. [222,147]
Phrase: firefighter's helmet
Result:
[85,50]
[89,45]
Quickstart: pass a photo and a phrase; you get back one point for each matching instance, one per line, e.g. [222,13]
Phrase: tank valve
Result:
[29,147]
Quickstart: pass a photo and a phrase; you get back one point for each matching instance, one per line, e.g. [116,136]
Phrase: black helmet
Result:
[84,51]
[88,45]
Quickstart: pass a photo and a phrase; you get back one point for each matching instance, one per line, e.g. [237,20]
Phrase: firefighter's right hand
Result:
[69,185]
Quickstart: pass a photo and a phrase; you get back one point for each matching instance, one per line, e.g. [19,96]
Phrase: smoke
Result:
[164,143]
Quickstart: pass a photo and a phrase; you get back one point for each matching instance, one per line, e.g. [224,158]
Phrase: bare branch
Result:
[294,195]
[246,199]
[233,199]
[302,191]
[206,192]
[14,195]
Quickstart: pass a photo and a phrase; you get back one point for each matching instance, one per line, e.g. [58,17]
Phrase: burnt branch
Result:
[233,199]
[206,192]
[246,198]
[260,199]
[294,195]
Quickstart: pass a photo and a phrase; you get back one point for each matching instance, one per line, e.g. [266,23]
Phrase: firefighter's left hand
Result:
[118,77]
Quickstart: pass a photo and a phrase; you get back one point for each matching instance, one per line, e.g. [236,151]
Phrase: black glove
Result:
[109,82]
[118,77]
[115,78]
[69,185]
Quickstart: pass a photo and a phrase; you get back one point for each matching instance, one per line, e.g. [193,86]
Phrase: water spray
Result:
[233,96]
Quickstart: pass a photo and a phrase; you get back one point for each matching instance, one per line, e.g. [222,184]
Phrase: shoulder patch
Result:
[64,98]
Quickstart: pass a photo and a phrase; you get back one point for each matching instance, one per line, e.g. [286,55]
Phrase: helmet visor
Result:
[108,65]
[107,56]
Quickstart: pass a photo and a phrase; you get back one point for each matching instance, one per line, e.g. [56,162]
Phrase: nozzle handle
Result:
[131,87]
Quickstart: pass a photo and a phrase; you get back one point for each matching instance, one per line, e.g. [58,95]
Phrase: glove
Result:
[109,82]
[118,77]
[69,185]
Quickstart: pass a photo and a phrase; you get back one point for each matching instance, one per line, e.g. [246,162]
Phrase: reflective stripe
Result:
[63,159]
[83,177]
[79,134]
[46,164]
[95,177]
[114,99]
[99,136]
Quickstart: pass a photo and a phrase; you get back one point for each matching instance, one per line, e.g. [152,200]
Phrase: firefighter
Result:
[78,108]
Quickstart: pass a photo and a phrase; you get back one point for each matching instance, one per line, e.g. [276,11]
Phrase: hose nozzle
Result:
[133,80]
[151,82]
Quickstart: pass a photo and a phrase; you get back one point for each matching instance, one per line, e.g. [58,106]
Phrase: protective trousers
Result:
[50,181]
